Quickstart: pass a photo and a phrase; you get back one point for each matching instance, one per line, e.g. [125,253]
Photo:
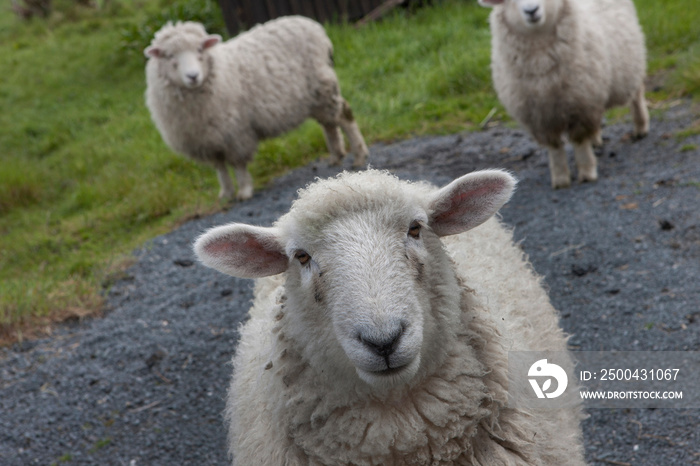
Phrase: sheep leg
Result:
[245,182]
[335,143]
[352,131]
[640,113]
[585,161]
[559,167]
[598,138]
[227,190]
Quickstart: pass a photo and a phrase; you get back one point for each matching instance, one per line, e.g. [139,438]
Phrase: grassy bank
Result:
[85,178]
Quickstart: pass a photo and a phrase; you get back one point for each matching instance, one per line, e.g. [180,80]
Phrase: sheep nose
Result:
[531,11]
[192,76]
[383,347]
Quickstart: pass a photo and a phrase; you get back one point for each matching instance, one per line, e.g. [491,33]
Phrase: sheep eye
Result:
[302,257]
[414,230]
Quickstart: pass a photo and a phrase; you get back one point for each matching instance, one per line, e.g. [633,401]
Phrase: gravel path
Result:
[145,385]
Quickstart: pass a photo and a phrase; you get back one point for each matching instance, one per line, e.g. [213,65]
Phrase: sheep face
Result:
[364,281]
[182,54]
[366,272]
[527,15]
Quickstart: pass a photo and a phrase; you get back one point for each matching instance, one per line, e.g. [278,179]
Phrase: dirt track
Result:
[145,384]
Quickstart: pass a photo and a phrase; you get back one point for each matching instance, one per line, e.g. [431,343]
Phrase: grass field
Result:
[85,178]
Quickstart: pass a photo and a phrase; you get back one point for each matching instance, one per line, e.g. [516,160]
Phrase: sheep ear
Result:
[211,41]
[242,251]
[152,51]
[490,3]
[469,201]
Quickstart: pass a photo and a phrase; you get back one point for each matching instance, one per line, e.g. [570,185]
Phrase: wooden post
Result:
[378,12]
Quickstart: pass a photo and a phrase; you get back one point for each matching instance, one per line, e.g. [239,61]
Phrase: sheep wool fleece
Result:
[284,410]
[214,102]
[561,81]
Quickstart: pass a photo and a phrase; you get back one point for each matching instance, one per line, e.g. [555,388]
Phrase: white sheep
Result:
[371,341]
[215,101]
[557,65]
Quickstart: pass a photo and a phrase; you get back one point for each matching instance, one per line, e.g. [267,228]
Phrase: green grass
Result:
[85,177]
[692,130]
[427,73]
[673,43]
[100,444]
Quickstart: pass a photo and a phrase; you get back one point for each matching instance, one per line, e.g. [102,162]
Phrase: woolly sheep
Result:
[214,101]
[371,341]
[557,65]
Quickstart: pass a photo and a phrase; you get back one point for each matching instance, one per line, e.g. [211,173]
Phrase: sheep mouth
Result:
[390,371]
[533,19]
[396,369]
[391,376]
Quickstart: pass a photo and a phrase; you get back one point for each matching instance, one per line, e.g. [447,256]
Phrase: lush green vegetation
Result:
[85,177]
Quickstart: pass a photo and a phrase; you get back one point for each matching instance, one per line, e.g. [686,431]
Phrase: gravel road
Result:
[145,384]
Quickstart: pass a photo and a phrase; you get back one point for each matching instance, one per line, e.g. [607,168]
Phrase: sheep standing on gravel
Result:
[557,65]
[214,101]
[372,341]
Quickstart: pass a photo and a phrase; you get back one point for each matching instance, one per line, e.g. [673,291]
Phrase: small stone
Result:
[666,225]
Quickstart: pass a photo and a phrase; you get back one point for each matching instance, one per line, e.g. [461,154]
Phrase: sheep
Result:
[371,341]
[215,101]
[558,65]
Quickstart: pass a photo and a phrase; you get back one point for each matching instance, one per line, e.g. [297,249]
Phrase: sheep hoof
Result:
[226,196]
[561,183]
[359,164]
[584,177]
[637,136]
[335,161]
[244,194]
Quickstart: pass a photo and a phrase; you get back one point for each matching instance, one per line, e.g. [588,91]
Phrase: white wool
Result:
[362,257]
[557,65]
[215,101]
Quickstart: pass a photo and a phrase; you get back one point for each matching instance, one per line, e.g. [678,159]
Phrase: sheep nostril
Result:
[532,10]
[383,347]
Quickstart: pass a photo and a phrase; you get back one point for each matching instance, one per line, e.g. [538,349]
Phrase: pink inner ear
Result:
[469,202]
[152,52]
[211,41]
[464,202]
[247,256]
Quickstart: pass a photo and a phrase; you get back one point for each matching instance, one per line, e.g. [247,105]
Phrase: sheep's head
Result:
[527,15]
[369,286]
[181,51]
